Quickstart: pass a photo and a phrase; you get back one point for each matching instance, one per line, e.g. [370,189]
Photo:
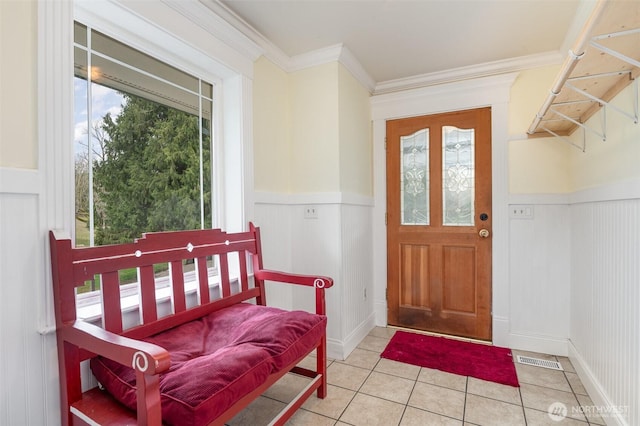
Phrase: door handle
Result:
[484,233]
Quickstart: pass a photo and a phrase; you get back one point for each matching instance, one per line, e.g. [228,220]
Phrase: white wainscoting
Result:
[539,276]
[574,276]
[28,362]
[337,243]
[605,291]
[357,275]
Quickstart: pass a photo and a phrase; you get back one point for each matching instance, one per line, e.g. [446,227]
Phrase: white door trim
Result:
[487,91]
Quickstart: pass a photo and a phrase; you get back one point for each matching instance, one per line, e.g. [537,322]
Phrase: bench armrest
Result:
[318,282]
[285,277]
[143,357]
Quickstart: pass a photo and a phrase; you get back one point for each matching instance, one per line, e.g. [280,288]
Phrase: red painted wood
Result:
[119,348]
[103,409]
[321,367]
[69,368]
[203,280]
[257,266]
[244,279]
[148,294]
[148,398]
[111,311]
[177,285]
[224,275]
[78,341]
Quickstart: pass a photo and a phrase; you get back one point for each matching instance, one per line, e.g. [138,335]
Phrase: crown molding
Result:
[342,54]
[314,58]
[267,48]
[354,66]
[215,24]
[470,72]
[335,53]
[174,32]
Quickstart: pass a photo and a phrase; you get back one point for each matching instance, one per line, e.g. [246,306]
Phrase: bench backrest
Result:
[233,254]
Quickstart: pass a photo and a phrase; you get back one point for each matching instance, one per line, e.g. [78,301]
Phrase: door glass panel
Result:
[458,176]
[414,178]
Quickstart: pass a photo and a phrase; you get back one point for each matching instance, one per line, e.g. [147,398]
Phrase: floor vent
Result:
[536,362]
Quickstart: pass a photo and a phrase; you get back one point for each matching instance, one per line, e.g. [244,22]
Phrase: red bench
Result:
[217,350]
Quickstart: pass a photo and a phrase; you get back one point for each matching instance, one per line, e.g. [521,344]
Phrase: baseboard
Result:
[337,349]
[500,331]
[538,343]
[611,414]
[380,311]
[354,339]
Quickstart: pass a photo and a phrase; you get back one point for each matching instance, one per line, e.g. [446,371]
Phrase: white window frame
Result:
[185,34]
[88,50]
[172,33]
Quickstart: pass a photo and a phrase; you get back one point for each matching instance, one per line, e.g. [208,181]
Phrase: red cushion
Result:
[218,359]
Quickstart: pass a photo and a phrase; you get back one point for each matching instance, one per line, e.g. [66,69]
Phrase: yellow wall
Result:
[616,159]
[528,92]
[539,165]
[550,165]
[271,122]
[356,172]
[18,102]
[314,129]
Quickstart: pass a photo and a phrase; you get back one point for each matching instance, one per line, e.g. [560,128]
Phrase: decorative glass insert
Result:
[414,178]
[458,176]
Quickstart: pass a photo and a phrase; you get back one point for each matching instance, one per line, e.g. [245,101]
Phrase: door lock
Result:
[484,233]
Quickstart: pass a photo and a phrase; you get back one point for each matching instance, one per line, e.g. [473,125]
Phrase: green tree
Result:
[149,177]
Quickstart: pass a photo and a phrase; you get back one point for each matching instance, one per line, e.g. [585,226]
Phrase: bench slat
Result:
[111,311]
[148,294]
[244,279]
[224,275]
[177,284]
[203,280]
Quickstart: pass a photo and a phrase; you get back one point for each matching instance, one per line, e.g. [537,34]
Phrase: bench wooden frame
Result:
[79,340]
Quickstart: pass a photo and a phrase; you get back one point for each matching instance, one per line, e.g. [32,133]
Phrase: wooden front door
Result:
[439,223]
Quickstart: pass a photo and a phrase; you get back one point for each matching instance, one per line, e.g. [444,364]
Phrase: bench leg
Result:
[148,396]
[70,387]
[321,357]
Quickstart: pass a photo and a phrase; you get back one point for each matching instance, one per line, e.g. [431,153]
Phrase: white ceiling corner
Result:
[396,45]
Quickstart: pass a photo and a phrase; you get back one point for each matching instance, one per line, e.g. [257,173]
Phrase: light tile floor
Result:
[368,390]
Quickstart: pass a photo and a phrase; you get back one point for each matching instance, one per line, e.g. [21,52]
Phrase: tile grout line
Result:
[575,395]
[464,404]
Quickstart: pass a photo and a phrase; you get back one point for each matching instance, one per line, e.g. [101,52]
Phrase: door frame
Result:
[491,92]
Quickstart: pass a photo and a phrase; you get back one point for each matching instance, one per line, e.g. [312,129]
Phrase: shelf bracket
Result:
[583,148]
[615,53]
[602,135]
[633,116]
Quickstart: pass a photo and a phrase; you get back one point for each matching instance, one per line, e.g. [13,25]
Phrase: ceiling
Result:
[400,39]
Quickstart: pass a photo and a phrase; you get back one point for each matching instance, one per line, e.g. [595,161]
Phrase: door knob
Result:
[484,233]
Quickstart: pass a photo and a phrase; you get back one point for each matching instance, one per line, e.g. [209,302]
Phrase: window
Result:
[143,136]
[143,146]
